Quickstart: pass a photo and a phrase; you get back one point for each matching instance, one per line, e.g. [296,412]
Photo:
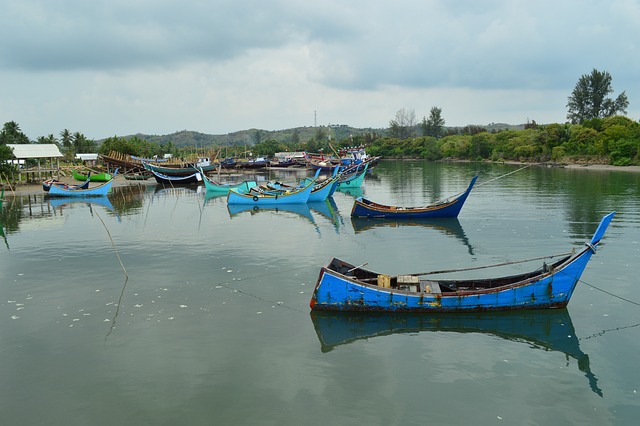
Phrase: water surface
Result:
[212,325]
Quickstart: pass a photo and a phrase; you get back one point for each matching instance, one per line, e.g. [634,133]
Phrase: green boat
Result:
[95,177]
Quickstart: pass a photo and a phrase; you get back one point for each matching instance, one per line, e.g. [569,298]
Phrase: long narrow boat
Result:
[103,189]
[187,170]
[46,185]
[94,177]
[449,207]
[352,177]
[259,197]
[194,177]
[344,287]
[224,188]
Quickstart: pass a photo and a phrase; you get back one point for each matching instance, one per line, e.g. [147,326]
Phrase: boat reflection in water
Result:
[214,197]
[549,330]
[59,203]
[299,209]
[448,226]
[328,209]
[354,192]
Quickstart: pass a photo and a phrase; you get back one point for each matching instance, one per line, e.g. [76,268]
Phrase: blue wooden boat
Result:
[224,188]
[58,190]
[46,185]
[449,207]
[258,196]
[193,178]
[352,177]
[344,287]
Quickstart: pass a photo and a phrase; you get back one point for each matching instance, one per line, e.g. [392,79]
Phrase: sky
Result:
[120,67]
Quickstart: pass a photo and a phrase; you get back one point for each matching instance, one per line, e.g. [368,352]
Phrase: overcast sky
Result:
[119,67]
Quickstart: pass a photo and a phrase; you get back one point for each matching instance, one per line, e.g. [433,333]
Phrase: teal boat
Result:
[352,177]
[224,188]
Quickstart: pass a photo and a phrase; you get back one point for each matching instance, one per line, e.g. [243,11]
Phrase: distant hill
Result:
[251,136]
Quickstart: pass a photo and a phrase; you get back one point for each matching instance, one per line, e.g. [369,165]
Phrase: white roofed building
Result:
[43,154]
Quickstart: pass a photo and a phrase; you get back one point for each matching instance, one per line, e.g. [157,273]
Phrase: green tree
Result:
[434,124]
[589,98]
[11,134]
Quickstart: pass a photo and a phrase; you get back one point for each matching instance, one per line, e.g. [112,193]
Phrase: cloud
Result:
[116,67]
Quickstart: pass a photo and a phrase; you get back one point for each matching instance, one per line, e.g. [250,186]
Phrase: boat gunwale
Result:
[555,268]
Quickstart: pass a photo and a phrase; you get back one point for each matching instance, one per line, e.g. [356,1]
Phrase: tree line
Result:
[596,131]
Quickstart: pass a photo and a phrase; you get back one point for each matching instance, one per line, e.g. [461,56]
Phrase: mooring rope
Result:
[114,245]
[473,268]
[609,293]
[504,175]
[447,199]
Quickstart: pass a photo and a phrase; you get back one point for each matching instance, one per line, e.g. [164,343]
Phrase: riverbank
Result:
[30,189]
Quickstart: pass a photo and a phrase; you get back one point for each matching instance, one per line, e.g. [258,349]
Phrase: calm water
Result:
[213,327]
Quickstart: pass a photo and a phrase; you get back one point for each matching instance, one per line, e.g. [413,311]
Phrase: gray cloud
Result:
[116,66]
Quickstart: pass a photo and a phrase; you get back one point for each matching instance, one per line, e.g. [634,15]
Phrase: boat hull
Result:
[286,197]
[98,191]
[94,177]
[193,178]
[339,288]
[449,209]
[221,188]
[353,179]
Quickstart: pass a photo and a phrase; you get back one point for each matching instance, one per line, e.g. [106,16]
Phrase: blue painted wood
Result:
[61,190]
[352,177]
[363,207]
[224,188]
[345,287]
[257,198]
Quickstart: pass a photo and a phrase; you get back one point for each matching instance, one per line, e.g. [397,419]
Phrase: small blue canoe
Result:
[449,207]
[342,286]
[260,197]
[224,188]
[61,190]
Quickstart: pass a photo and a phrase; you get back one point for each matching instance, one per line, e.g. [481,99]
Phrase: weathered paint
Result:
[551,289]
[451,209]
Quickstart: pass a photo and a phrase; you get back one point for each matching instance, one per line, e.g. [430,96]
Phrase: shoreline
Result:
[34,189]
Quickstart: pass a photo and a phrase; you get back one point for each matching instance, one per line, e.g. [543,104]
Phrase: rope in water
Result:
[504,175]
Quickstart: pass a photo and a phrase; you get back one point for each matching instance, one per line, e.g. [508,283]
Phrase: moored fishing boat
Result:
[194,177]
[103,189]
[224,188]
[345,287]
[185,169]
[352,177]
[46,185]
[449,207]
[259,196]
[94,177]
